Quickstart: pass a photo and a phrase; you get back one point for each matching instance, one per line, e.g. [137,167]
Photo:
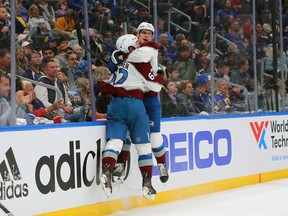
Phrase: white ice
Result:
[265,199]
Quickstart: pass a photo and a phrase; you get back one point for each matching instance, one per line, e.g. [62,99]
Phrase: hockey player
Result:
[127,111]
[145,34]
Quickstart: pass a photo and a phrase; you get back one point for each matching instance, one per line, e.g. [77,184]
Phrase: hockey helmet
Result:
[145,26]
[125,41]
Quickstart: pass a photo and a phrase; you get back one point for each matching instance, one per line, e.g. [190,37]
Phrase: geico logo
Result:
[68,171]
[188,151]
[9,191]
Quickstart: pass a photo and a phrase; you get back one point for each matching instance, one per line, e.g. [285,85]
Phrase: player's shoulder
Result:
[151,44]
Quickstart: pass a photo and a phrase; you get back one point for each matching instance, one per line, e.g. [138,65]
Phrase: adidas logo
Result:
[10,174]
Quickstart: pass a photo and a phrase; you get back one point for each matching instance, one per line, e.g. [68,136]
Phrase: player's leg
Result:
[139,131]
[116,130]
[153,108]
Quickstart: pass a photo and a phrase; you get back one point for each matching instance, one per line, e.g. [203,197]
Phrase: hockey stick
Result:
[5,210]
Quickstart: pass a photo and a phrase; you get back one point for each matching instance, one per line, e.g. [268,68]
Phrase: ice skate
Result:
[148,191]
[119,173]
[163,173]
[106,181]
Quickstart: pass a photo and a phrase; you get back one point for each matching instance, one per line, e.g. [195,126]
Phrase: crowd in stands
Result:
[50,49]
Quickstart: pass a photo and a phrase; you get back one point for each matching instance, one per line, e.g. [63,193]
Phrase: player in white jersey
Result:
[127,111]
[147,54]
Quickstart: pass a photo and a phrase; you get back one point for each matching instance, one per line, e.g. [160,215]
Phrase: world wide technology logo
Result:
[259,131]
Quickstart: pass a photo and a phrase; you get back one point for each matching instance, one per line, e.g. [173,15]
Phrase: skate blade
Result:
[147,194]
[107,190]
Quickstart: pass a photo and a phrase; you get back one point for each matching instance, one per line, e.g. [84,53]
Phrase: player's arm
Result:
[115,60]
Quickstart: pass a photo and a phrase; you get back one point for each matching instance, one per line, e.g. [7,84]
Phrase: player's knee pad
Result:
[143,149]
[114,144]
[156,140]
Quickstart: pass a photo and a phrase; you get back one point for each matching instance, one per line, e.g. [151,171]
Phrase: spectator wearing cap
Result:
[61,56]
[66,24]
[27,47]
[51,42]
[202,95]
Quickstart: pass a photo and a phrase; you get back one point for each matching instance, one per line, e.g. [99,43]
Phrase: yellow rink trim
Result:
[114,206]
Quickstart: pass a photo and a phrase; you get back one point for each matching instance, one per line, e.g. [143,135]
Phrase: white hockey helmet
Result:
[145,26]
[125,41]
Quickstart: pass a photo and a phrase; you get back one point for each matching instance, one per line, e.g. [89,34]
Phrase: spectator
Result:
[161,26]
[164,48]
[49,96]
[100,21]
[33,72]
[21,61]
[203,63]
[176,43]
[173,75]
[82,63]
[142,15]
[222,70]
[4,28]
[51,42]
[185,99]
[234,35]
[239,75]
[202,94]
[184,42]
[27,47]
[66,24]
[185,65]
[61,57]
[223,103]
[36,22]
[168,100]
[48,52]
[47,11]
[71,70]
[227,10]
[20,22]
[23,10]
[75,4]
[5,109]
[35,105]
[5,59]
[62,7]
